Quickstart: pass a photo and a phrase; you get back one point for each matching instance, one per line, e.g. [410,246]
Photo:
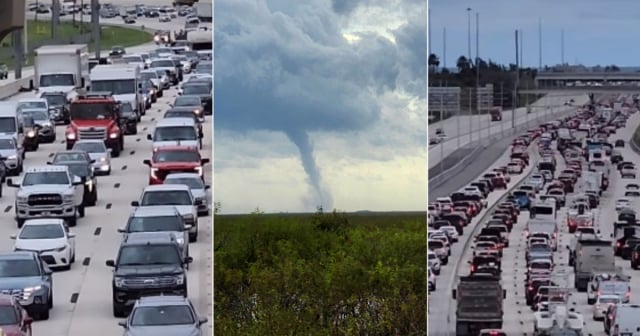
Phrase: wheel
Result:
[81,211]
[20,222]
[591,301]
[73,257]
[73,221]
[94,197]
[44,315]
[118,311]
[115,152]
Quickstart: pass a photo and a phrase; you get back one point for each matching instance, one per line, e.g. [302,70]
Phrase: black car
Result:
[619,143]
[58,106]
[117,51]
[204,91]
[148,263]
[129,119]
[85,170]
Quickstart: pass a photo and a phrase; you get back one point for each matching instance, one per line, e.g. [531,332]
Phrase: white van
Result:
[11,125]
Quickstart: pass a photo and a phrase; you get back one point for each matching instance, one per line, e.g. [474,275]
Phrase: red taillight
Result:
[493,333]
[530,288]
[473,268]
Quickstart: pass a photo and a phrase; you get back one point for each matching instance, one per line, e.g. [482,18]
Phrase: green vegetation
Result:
[39,32]
[636,137]
[320,274]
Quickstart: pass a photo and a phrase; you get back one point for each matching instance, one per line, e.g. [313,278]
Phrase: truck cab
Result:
[96,116]
[122,80]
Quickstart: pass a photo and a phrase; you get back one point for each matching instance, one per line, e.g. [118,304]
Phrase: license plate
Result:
[46,213]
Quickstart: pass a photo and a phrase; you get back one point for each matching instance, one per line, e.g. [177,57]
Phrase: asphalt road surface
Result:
[82,295]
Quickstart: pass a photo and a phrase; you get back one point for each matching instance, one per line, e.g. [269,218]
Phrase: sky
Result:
[320,103]
[596,32]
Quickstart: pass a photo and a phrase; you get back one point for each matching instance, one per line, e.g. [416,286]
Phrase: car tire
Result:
[20,223]
[81,211]
[118,311]
[73,221]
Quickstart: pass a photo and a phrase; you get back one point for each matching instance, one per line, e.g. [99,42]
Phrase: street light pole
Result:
[469,33]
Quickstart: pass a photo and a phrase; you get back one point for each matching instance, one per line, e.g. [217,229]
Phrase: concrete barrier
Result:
[632,142]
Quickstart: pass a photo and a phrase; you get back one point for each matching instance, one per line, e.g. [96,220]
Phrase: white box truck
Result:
[122,80]
[61,68]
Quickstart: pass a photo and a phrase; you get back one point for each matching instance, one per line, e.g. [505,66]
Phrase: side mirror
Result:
[147,162]
[469,262]
[71,234]
[135,203]
[88,87]
[110,263]
[82,82]
[203,320]
[10,183]
[120,230]
[207,187]
[47,270]
[204,161]
[149,137]
[123,324]
[139,85]
[171,104]
[109,150]
[188,227]
[13,236]
[568,247]
[198,202]
[188,260]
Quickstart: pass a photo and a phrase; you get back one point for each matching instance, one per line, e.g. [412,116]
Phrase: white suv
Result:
[434,262]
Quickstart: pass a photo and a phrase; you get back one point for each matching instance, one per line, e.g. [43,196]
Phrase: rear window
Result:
[435,244]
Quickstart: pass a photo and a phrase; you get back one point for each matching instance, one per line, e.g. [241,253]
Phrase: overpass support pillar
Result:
[17,37]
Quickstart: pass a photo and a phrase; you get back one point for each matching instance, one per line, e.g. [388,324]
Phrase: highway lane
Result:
[89,280]
[518,317]
[442,314]
[547,108]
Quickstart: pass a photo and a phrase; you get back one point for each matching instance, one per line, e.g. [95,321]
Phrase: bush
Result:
[320,274]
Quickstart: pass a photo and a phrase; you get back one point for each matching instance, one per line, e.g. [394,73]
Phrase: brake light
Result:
[599,293]
[628,294]
[530,288]
[154,172]
[493,333]
[473,268]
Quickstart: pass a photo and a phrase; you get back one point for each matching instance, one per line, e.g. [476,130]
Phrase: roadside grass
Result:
[320,274]
[40,31]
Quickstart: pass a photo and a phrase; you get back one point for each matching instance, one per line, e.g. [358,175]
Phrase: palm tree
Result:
[433,62]
[463,64]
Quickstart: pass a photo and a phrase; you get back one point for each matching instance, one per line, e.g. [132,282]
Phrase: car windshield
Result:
[616,287]
[16,268]
[180,114]
[187,101]
[204,68]
[161,72]
[80,170]
[192,183]
[8,316]
[90,147]
[162,64]
[149,75]
[196,89]
[175,133]
[55,100]
[176,156]
[47,231]
[169,197]
[162,315]
[126,109]
[149,255]
[155,223]
[37,115]
[91,111]
[32,104]
[118,86]
[7,144]
[51,178]
[56,80]
[69,157]
[607,300]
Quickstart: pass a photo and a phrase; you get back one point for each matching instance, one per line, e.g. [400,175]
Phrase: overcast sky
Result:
[320,103]
[595,31]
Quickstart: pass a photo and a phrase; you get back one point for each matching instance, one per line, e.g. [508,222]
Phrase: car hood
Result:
[148,270]
[198,193]
[155,81]
[176,165]
[7,152]
[45,188]
[166,330]
[39,244]
[19,282]
[189,143]
[182,209]
[98,156]
[65,89]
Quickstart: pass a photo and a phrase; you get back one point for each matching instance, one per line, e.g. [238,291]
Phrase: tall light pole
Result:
[478,63]
[429,29]
[444,47]
[562,46]
[469,33]
[540,43]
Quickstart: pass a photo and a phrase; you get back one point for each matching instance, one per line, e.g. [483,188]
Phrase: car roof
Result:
[176,122]
[166,187]
[21,255]
[164,300]
[44,221]
[71,152]
[160,237]
[159,210]
[48,168]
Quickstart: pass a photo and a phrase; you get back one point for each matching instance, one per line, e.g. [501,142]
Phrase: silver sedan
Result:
[198,189]
[98,152]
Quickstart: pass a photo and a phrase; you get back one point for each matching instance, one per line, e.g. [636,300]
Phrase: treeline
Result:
[320,274]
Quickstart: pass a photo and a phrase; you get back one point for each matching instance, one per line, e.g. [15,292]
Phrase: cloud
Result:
[285,66]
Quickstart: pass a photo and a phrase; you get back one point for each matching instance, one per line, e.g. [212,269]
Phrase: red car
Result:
[174,159]
[15,319]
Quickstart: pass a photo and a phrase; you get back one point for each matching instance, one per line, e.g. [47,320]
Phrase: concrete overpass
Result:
[587,76]
[584,89]
[12,16]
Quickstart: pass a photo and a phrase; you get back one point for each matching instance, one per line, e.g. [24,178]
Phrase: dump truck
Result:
[479,303]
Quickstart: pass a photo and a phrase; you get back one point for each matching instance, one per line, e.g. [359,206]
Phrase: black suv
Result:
[148,263]
[58,106]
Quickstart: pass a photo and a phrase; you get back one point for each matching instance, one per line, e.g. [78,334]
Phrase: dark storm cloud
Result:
[284,66]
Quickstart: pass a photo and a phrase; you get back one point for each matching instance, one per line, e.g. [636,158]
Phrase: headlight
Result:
[156,38]
[71,136]
[68,198]
[31,134]
[22,198]
[199,170]
[113,135]
[188,217]
[154,172]
[32,289]
[12,157]
[180,279]
[197,111]
[103,159]
[119,282]
[180,241]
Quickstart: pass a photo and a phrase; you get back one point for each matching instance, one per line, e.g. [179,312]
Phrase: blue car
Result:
[522,198]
